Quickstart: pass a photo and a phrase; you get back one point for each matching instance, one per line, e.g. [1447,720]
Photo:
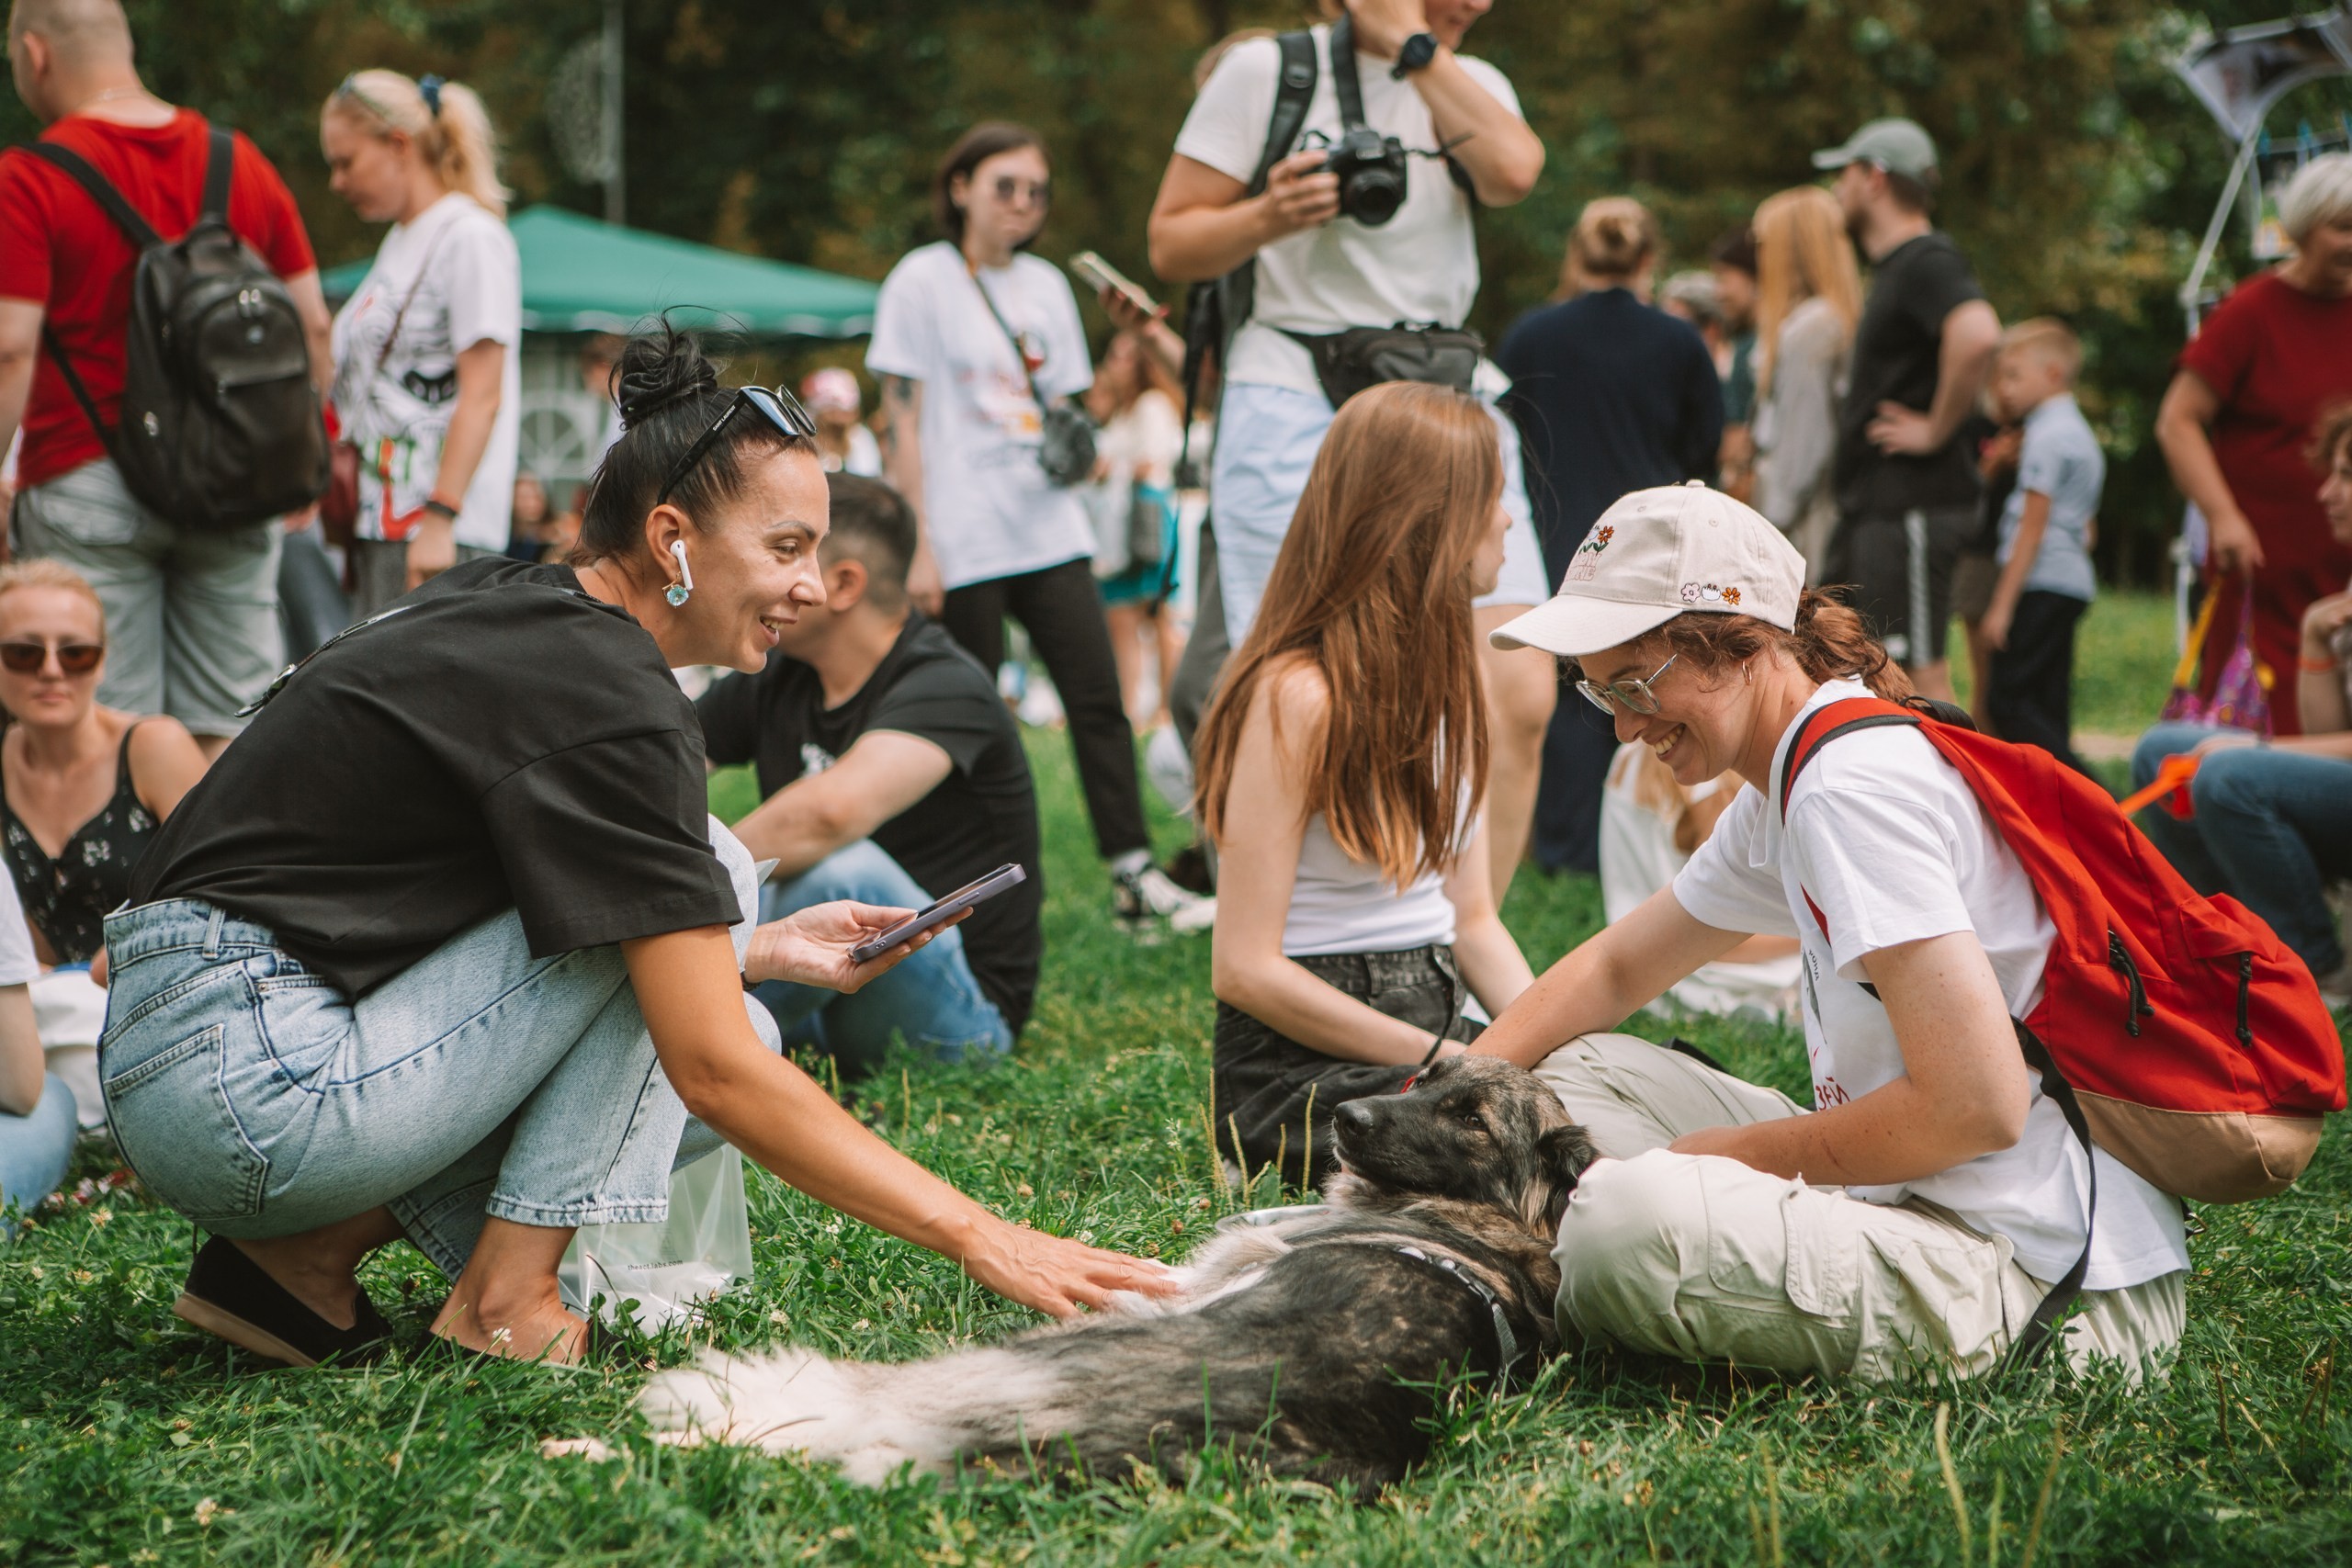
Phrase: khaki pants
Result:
[1704,1258]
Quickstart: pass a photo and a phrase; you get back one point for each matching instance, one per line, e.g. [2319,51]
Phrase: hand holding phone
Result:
[1108,281]
[1009,875]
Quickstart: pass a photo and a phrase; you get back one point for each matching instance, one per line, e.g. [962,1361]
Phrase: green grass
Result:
[116,1425]
[2123,661]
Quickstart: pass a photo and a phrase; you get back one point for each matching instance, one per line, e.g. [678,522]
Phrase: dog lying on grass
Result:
[1318,1340]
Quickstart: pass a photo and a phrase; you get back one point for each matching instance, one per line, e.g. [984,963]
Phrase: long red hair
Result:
[1373,586]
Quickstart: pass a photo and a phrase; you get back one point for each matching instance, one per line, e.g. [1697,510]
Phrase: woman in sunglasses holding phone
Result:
[441,948]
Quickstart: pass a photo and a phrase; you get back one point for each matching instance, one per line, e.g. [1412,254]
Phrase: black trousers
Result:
[2029,693]
[1578,749]
[1061,609]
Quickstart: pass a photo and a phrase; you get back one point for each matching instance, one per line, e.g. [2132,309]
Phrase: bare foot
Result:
[539,1330]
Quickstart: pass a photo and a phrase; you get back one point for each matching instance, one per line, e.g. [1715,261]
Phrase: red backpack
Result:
[2189,1040]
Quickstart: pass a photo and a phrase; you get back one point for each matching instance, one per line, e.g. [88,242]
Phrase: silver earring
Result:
[679,592]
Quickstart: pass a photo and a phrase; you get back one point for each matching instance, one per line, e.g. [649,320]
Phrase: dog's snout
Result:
[1356,1115]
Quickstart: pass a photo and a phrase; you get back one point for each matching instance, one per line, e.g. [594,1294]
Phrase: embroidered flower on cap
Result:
[1708,596]
[1587,562]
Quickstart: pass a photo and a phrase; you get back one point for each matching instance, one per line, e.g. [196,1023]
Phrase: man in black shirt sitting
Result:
[892,773]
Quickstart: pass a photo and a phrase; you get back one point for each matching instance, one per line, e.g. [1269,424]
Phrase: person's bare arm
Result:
[1964,1091]
[166,763]
[2032,524]
[1972,336]
[1491,962]
[1501,155]
[19,346]
[2319,684]
[881,775]
[902,465]
[1622,968]
[687,987]
[2184,425]
[1205,223]
[1258,866]
[481,367]
[318,326]
[22,1066]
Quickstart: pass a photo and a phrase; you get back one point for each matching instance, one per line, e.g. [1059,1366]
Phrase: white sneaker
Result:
[1146,898]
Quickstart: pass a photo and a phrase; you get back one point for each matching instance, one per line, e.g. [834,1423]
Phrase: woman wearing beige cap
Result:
[1919,1212]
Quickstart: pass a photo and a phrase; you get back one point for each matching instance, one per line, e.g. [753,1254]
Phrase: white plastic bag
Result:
[703,1247]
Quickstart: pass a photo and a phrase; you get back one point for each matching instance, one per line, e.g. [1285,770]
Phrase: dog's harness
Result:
[1507,1346]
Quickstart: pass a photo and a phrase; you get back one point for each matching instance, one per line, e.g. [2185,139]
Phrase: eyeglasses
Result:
[1012,187]
[776,405]
[28,657]
[1633,696]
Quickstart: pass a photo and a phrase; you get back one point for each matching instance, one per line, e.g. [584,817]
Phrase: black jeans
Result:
[1270,1095]
[1577,750]
[2029,693]
[1062,612]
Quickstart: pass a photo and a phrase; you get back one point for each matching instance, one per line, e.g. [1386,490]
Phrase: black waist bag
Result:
[220,425]
[1347,363]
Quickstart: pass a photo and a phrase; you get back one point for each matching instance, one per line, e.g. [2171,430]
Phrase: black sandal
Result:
[228,1295]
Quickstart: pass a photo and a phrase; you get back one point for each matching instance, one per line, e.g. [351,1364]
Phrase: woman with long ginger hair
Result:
[1340,765]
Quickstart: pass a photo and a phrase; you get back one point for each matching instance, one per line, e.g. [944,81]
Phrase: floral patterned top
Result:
[67,898]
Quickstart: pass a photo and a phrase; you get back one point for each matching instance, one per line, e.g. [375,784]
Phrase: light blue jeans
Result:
[255,1097]
[2271,830]
[930,1001]
[35,1148]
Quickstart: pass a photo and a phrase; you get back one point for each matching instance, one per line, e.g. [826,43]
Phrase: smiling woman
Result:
[446,947]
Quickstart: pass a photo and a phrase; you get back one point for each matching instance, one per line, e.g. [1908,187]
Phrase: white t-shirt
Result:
[17,966]
[988,507]
[1887,839]
[1422,265]
[471,293]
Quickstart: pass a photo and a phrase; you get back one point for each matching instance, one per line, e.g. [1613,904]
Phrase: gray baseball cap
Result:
[1898,146]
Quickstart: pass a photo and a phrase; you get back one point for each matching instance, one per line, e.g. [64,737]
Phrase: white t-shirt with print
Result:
[988,507]
[1422,265]
[471,292]
[1886,839]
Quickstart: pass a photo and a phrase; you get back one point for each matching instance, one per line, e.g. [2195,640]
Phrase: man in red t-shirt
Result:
[192,616]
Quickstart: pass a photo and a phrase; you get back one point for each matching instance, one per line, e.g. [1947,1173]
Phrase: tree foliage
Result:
[2078,171]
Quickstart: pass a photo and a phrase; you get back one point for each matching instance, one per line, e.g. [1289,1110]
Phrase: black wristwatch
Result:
[1419,50]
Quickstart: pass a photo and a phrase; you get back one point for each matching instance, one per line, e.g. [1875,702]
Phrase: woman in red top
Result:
[2238,417]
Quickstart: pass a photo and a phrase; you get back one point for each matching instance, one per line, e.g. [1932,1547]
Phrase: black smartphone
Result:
[1009,875]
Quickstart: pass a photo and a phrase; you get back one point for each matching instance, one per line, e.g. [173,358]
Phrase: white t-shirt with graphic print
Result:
[1420,265]
[471,292]
[1886,839]
[988,507]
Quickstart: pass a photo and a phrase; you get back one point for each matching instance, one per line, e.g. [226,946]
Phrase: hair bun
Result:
[656,371]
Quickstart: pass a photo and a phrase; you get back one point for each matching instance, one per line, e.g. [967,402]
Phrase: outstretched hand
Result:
[812,947]
[1057,1277]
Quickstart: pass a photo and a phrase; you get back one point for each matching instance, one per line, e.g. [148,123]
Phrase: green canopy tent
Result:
[580,275]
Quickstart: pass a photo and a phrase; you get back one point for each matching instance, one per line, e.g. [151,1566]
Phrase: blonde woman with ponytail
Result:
[426,383]
[1808,296]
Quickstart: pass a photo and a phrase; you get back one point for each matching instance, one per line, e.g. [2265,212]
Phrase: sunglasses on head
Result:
[1012,187]
[73,658]
[776,405]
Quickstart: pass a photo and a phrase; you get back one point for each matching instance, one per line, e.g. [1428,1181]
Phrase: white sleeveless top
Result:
[1339,904]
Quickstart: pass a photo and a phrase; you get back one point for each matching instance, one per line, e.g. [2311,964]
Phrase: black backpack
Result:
[220,427]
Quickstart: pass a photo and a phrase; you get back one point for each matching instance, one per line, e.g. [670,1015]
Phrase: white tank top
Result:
[1339,904]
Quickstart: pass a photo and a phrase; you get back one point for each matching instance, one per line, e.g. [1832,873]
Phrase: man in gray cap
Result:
[1908,487]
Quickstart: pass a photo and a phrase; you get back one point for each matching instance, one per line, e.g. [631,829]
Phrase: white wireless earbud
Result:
[678,591]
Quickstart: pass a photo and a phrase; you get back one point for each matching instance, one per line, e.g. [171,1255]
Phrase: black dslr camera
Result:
[1372,175]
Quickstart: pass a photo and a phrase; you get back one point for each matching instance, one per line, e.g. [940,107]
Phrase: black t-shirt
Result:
[496,740]
[1610,395]
[981,814]
[1897,349]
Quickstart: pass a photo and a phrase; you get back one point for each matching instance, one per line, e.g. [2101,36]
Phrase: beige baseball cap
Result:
[1655,555]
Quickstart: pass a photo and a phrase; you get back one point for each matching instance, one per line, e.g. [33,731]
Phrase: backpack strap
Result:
[220,168]
[1345,82]
[135,228]
[1826,724]
[2033,1340]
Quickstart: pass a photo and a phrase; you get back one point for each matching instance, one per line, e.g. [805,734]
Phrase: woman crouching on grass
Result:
[440,949]
[1919,1215]
[1341,764]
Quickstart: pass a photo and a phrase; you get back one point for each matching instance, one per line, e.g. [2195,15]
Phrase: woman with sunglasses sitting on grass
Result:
[441,948]
[86,786]
[1340,765]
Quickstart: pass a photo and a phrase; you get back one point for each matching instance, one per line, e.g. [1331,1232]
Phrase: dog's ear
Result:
[1564,1153]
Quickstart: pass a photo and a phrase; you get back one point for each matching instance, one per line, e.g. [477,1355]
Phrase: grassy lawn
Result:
[2123,662]
[125,1439]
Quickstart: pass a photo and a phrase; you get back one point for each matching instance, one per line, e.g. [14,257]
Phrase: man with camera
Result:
[1337,188]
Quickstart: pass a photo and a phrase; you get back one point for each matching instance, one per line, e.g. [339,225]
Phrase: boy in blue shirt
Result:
[2045,581]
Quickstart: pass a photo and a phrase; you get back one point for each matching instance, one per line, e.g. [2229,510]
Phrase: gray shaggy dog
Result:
[1318,1340]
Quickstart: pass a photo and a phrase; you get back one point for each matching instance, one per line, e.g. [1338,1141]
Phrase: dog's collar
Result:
[1507,1346]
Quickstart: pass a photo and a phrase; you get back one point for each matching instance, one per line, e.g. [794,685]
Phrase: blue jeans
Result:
[34,1149]
[2271,830]
[255,1097]
[930,999]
